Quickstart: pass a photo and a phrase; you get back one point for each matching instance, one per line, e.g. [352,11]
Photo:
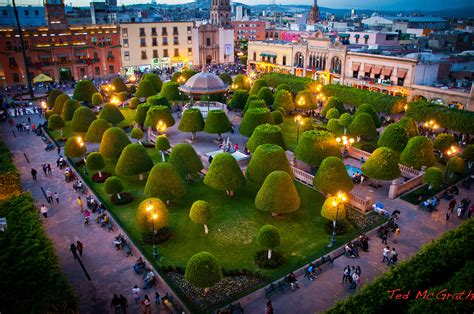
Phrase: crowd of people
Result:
[351,275]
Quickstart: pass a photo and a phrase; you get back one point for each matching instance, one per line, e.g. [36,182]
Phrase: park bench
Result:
[109,226]
[276,287]
[128,249]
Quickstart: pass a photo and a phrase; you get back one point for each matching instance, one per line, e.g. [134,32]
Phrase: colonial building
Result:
[250,30]
[59,50]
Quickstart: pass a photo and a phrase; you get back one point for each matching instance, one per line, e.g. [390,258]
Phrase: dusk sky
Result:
[336,4]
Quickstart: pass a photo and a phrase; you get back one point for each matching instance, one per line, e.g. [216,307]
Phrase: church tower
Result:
[313,16]
[221,13]
[55,14]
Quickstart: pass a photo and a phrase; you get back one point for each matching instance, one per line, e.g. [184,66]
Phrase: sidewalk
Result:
[111,271]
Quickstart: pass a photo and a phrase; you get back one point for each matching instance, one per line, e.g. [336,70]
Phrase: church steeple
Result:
[221,13]
[313,16]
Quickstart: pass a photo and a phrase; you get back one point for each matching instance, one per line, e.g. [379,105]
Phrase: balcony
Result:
[110,58]
[13,66]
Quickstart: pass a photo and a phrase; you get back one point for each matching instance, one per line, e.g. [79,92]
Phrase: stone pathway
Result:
[111,271]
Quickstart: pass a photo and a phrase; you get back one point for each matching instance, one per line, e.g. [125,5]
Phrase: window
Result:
[176,52]
[366,40]
[125,32]
[175,41]
[108,40]
[155,53]
[357,40]
[190,39]
[175,30]
[36,12]
[400,81]
[154,42]
[110,54]
[111,69]
[126,55]
[153,31]
[284,60]
[355,74]
[97,71]
[189,29]
[96,55]
[125,42]
[208,42]
[275,59]
[254,56]
[165,41]
[82,71]
[12,61]
[142,42]
[144,55]
[164,32]
[165,53]
[4,12]
[190,51]
[27,13]
[142,32]
[16,77]
[8,45]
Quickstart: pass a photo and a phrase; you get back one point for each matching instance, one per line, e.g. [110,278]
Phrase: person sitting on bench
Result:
[293,281]
[149,280]
[364,242]
[349,252]
[311,272]
[139,265]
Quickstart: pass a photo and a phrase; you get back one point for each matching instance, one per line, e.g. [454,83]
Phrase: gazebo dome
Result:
[204,83]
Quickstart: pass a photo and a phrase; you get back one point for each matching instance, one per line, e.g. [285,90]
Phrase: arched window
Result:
[299,60]
[336,65]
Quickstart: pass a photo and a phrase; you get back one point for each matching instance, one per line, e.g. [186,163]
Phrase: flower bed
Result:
[101,179]
[125,198]
[363,222]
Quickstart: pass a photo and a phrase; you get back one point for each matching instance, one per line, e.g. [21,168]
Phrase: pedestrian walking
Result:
[397,232]
[56,196]
[346,274]
[48,167]
[269,308]
[384,237]
[49,195]
[44,211]
[451,205]
[123,304]
[393,257]
[386,252]
[147,305]
[447,214]
[59,150]
[471,210]
[45,169]
[80,203]
[358,270]
[157,299]
[73,250]
[79,247]
[29,120]
[136,294]
[115,304]
[34,173]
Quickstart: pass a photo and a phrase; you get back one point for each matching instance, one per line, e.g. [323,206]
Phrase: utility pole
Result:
[20,32]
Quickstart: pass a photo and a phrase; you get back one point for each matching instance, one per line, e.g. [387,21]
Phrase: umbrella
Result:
[41,78]
[379,205]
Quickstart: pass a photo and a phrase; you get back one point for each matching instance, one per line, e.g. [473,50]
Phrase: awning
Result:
[401,73]
[355,66]
[387,71]
[41,78]
[268,54]
[343,35]
[367,68]
[366,36]
[356,35]
[377,70]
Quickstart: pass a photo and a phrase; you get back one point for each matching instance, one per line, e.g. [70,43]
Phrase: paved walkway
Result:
[110,270]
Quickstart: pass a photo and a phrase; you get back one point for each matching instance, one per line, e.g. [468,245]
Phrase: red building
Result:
[60,51]
[250,30]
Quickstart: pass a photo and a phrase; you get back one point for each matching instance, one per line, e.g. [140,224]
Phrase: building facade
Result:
[250,30]
[28,16]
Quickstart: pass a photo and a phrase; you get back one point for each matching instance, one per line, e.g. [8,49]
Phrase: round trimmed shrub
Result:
[201,213]
[82,119]
[468,153]
[242,82]
[266,95]
[68,109]
[268,236]
[309,102]
[112,114]
[394,137]
[456,165]
[145,89]
[443,142]
[145,219]
[239,98]
[73,149]
[315,145]
[434,178]
[258,103]
[249,100]
[113,142]
[363,126]
[162,143]
[418,153]
[154,80]
[96,131]
[253,118]
[122,96]
[119,84]
[257,85]
[137,133]
[97,99]
[283,100]
[345,120]
[332,113]
[332,176]
[52,97]
[55,122]
[277,117]
[95,162]
[283,86]
[382,165]
[217,122]
[59,103]
[332,208]
[191,121]
[334,126]
[134,160]
[333,102]
[140,114]
[266,134]
[113,185]
[226,78]
[278,194]
[164,182]
[157,113]
[410,126]
[133,103]
[224,174]
[203,270]
[84,90]
[175,76]
[185,159]
[170,90]
[266,159]
[368,109]
[158,100]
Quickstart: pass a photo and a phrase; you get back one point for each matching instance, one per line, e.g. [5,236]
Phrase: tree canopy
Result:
[96,131]
[82,119]
[394,137]
[382,165]
[278,194]
[134,160]
[185,159]
[203,270]
[332,176]
[112,114]
[164,182]
[224,174]
[333,209]
[418,153]
[253,118]
[266,134]
[315,145]
[84,90]
[114,140]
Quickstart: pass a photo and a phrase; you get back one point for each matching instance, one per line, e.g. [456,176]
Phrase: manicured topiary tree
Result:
[334,126]
[333,102]
[186,160]
[433,177]
[95,162]
[119,84]
[140,114]
[163,144]
[266,95]
[96,131]
[170,91]
[394,137]
[112,114]
[455,165]
[175,76]
[82,119]
[418,153]
[368,109]
[332,176]
[277,117]
[468,155]
[154,80]
[158,100]
[305,100]
[145,89]
[68,109]
[332,113]
[133,103]
[191,121]
[113,142]
[306,125]
[266,134]
[152,214]
[113,185]
[382,165]
[242,82]
[266,159]
[443,142]
[345,120]
[283,86]
[278,194]
[224,174]
[333,209]
[217,122]
[164,182]
[201,213]
[52,97]
[257,85]
[156,114]
[258,103]
[269,237]
[134,160]
[84,90]
[137,134]
[314,146]
[122,96]
[239,98]
[363,127]
[283,101]
[55,122]
[254,118]
[249,100]
[59,103]
[410,126]
[226,78]
[74,148]
[97,99]
[203,270]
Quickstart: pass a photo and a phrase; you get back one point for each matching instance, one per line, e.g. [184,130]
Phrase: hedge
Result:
[224,174]
[154,80]
[356,97]
[185,159]
[68,109]
[84,91]
[96,131]
[418,153]
[254,118]
[59,103]
[145,89]
[283,100]
[158,100]
[332,176]
[295,83]
[155,114]
[239,98]
[217,122]
[9,176]
[266,95]
[52,97]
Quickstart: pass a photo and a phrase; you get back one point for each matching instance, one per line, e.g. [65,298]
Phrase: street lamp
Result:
[345,140]
[154,216]
[181,79]
[341,198]
[431,125]
[161,126]
[115,101]
[301,102]
[299,122]
[44,107]
[452,151]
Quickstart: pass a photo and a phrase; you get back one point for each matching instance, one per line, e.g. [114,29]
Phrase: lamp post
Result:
[340,199]
[153,215]
[345,141]
[431,125]
[161,126]
[299,121]
[451,152]
[44,107]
